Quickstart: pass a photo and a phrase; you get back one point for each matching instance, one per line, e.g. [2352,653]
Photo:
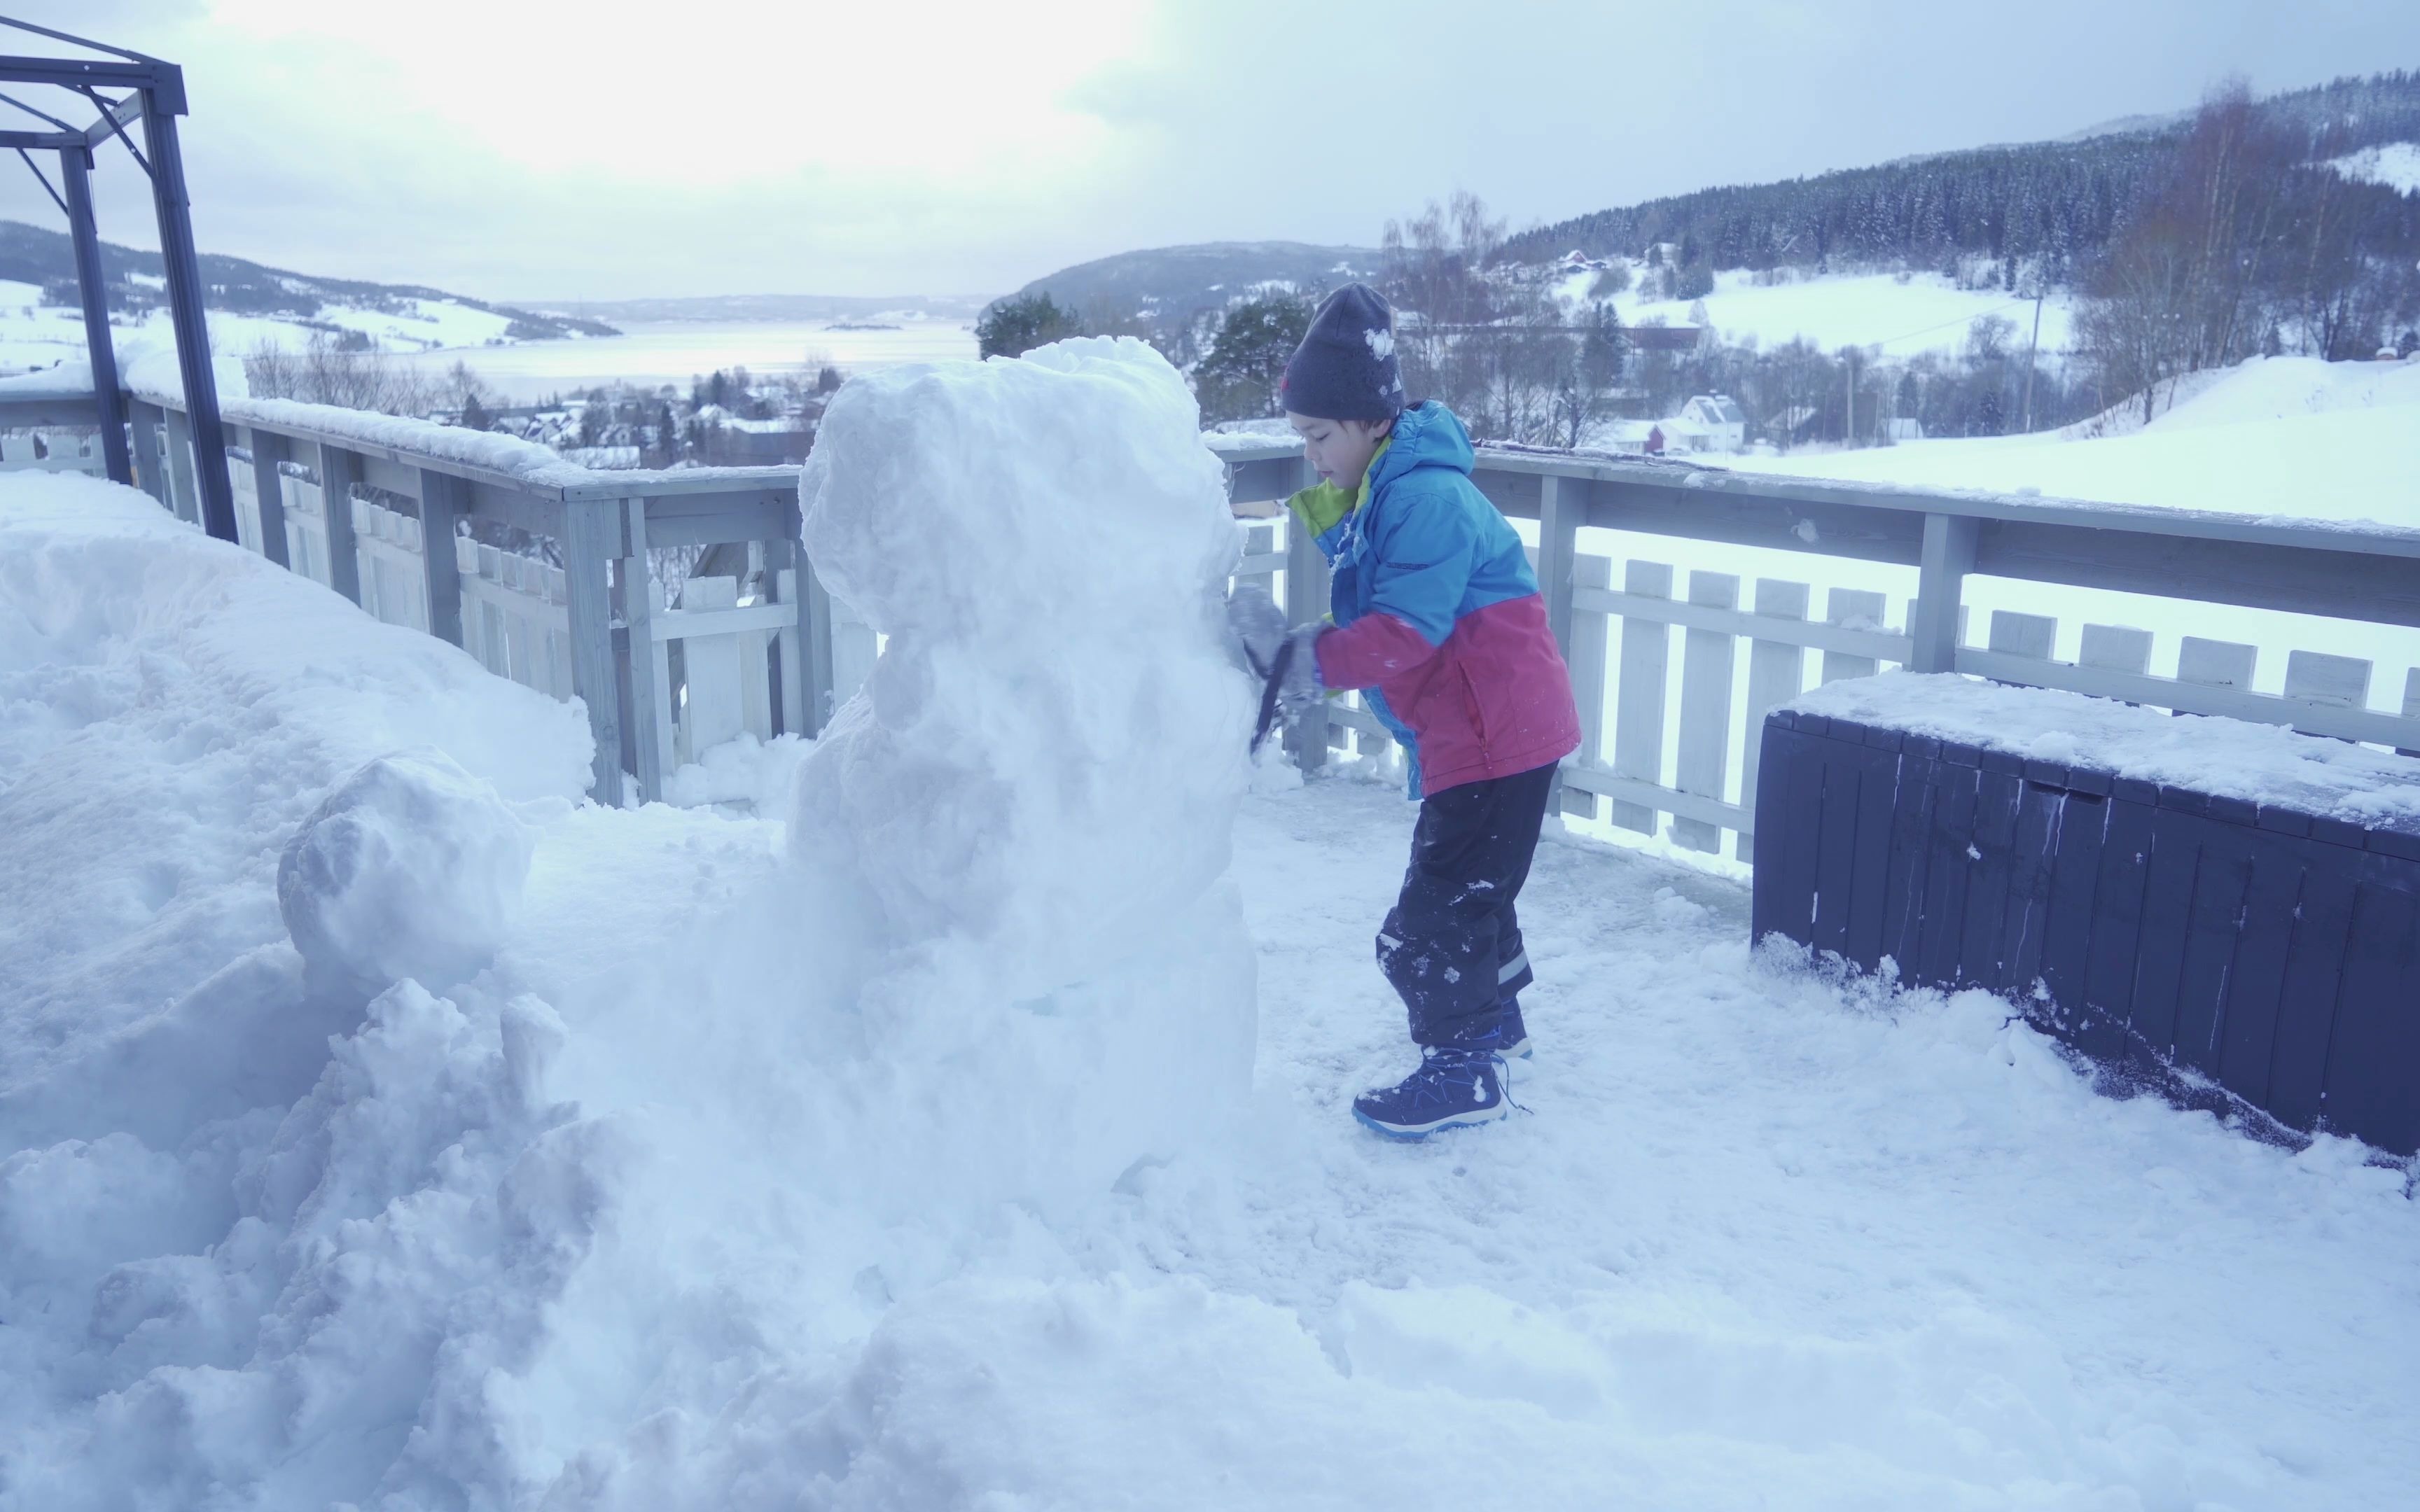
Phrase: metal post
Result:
[2033,347]
[75,165]
[1849,428]
[182,265]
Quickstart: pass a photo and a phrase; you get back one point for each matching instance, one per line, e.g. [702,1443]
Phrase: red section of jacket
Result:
[1495,699]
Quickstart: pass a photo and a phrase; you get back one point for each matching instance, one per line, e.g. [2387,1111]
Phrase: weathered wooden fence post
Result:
[1306,601]
[440,506]
[1949,556]
[269,453]
[650,711]
[1562,502]
[144,422]
[339,470]
[180,469]
[815,629]
[592,538]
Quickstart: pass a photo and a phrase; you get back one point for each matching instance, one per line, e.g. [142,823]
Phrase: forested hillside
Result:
[2057,202]
[31,254]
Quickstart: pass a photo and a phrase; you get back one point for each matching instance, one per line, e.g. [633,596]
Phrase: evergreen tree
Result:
[1238,379]
[1013,327]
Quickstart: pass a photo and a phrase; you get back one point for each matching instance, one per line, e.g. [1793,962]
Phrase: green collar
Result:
[1322,504]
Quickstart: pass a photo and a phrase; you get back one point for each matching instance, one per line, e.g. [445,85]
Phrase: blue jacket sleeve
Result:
[1424,548]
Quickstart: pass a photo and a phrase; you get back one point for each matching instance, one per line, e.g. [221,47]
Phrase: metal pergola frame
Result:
[154,98]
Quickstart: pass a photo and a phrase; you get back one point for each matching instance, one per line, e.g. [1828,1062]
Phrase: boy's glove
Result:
[1286,662]
[1295,675]
[1255,627]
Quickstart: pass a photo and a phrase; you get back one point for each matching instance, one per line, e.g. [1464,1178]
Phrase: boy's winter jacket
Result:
[1437,613]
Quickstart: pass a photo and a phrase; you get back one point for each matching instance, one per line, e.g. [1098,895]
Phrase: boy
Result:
[1438,620]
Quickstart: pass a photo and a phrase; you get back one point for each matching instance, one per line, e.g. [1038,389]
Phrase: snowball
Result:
[409,868]
[1031,801]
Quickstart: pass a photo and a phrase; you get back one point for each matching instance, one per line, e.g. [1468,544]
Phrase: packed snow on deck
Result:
[384,1126]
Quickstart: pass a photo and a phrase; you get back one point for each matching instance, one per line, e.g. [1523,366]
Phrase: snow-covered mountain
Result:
[42,321]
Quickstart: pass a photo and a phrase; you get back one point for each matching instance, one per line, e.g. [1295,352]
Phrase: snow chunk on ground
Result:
[1027,813]
[411,867]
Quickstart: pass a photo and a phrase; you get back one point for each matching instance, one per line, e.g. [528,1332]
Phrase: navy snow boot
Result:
[1513,1033]
[1452,1088]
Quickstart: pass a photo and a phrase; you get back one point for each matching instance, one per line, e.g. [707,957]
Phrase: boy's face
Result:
[1340,449]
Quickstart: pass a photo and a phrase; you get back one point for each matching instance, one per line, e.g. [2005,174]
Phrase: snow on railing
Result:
[1669,724]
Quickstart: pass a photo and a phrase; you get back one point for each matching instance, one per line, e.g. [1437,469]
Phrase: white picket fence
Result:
[51,451]
[1683,742]
[1676,654]
[515,618]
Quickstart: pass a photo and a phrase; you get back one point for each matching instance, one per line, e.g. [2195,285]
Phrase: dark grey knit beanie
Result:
[1345,368]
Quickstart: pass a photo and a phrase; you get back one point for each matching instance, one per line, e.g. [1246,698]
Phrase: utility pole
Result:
[2039,290]
[1849,432]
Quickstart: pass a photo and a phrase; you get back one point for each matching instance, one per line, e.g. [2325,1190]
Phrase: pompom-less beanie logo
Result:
[1345,368]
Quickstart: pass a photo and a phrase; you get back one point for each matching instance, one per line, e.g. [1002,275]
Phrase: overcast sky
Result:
[596,150]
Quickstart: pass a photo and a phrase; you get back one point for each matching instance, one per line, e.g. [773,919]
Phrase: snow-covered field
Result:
[674,351]
[33,334]
[1902,314]
[559,1167]
[2286,437]
[2290,437]
[2396,165]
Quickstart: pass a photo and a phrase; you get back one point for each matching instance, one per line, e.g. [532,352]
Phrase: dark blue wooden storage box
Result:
[2275,954]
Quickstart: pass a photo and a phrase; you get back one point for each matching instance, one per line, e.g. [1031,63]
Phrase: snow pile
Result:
[2229,757]
[1026,815]
[412,867]
[239,1201]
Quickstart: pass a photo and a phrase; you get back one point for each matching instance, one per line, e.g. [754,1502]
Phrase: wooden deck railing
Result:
[775,654]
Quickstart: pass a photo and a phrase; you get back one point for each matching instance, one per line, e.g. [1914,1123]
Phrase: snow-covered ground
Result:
[583,1224]
[2396,165]
[1903,314]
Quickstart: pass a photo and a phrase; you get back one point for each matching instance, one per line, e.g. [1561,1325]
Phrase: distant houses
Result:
[1709,423]
[1713,422]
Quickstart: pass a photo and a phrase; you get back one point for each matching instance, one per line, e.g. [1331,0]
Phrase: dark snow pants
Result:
[1451,945]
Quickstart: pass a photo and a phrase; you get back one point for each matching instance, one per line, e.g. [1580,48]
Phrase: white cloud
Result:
[510,149]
